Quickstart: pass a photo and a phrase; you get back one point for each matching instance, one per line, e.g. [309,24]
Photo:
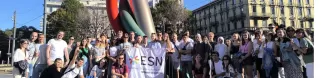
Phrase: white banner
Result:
[145,62]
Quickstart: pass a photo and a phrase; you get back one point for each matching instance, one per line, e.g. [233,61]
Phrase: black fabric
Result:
[21,65]
[248,60]
[234,49]
[259,67]
[51,72]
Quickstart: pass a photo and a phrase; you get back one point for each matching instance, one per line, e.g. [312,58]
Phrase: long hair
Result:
[167,41]
[86,44]
[248,35]
[22,41]
[229,62]
[285,38]
[239,38]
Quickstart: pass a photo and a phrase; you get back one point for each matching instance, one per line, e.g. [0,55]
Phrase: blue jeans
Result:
[30,73]
[85,66]
[38,70]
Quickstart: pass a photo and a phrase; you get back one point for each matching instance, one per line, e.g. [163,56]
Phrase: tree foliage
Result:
[65,19]
[169,12]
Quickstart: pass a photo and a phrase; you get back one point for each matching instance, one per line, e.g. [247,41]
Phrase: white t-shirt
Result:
[221,49]
[259,48]
[19,55]
[57,48]
[154,45]
[42,53]
[113,51]
[187,57]
[71,74]
[125,45]
[97,70]
[218,68]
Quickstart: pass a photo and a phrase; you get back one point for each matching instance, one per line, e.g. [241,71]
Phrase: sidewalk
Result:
[5,68]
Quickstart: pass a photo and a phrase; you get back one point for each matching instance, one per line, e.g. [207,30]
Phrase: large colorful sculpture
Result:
[130,15]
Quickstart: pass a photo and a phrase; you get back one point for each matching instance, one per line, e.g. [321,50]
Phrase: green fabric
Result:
[83,49]
[309,58]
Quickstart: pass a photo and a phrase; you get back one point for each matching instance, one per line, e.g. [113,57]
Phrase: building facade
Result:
[96,8]
[225,17]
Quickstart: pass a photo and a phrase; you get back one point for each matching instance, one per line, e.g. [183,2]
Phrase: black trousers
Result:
[170,72]
[304,73]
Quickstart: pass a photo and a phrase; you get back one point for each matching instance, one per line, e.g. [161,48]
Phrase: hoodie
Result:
[221,48]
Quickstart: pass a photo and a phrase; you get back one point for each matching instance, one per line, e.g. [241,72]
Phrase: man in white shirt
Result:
[186,48]
[73,69]
[57,48]
[31,51]
[187,33]
[154,43]
[216,66]
[126,44]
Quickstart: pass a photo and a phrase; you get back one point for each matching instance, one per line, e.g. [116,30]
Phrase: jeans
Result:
[186,69]
[38,70]
[85,66]
[30,73]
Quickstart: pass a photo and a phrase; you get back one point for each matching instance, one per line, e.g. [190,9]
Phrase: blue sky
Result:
[29,12]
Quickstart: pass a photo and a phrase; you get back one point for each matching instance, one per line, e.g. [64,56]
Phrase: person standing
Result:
[186,48]
[221,47]
[138,42]
[199,47]
[32,52]
[144,43]
[85,55]
[246,58]
[40,64]
[290,60]
[258,43]
[20,57]
[301,47]
[126,44]
[132,37]
[175,56]
[57,48]
[168,45]
[155,43]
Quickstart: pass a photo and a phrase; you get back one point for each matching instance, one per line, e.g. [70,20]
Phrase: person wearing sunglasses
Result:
[119,68]
[126,44]
[20,55]
[228,67]
[97,52]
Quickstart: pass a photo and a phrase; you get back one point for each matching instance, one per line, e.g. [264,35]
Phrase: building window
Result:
[310,24]
[281,2]
[264,23]
[51,9]
[300,11]
[299,2]
[228,26]
[255,23]
[254,8]
[301,24]
[233,2]
[308,11]
[283,21]
[271,1]
[242,24]
[273,10]
[241,9]
[263,9]
[291,10]
[307,1]
[290,2]
[293,23]
[282,10]
[235,25]
[262,0]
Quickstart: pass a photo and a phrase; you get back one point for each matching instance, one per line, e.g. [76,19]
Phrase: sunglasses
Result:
[25,43]
[71,39]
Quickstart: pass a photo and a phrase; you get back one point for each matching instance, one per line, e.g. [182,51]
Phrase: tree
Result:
[4,41]
[65,19]
[170,12]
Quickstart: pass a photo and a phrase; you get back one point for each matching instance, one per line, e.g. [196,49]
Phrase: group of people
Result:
[274,53]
